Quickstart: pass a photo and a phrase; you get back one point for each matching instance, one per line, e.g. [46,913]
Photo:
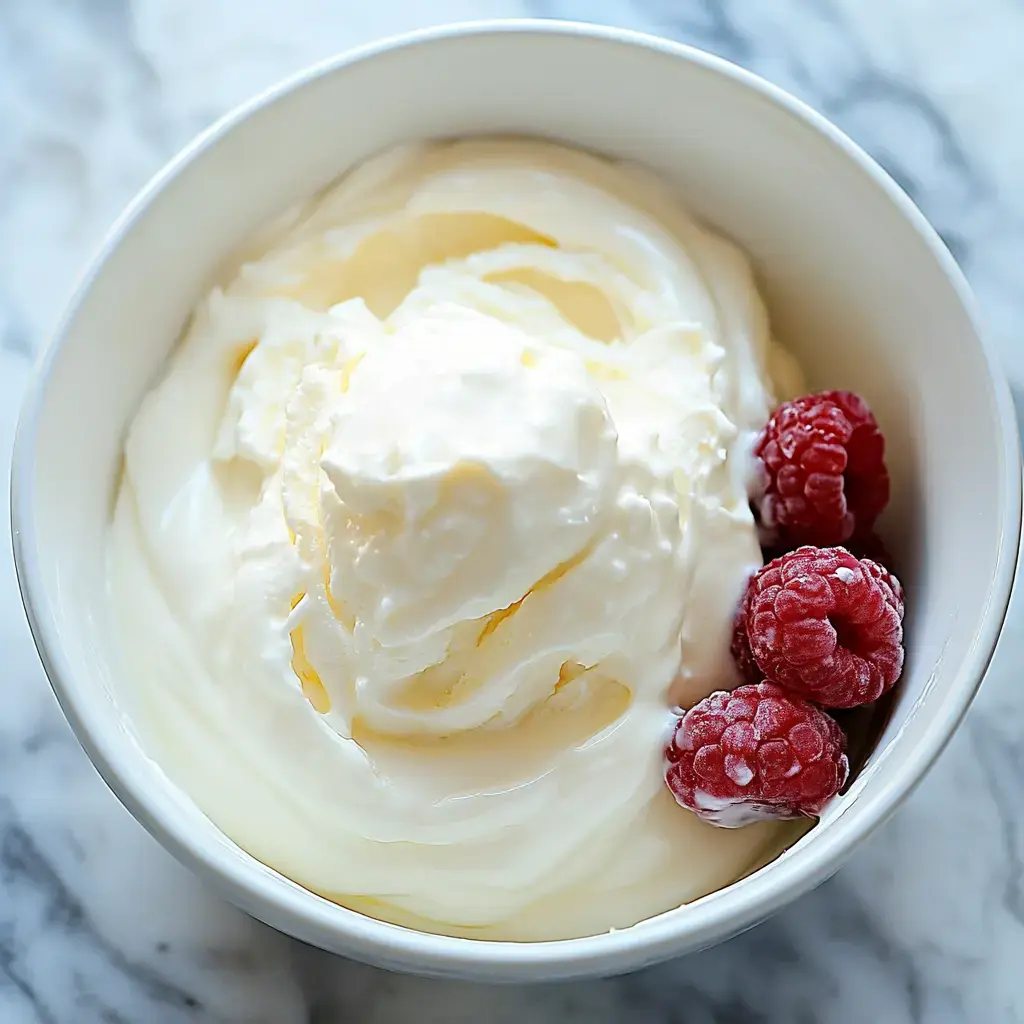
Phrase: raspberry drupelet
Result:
[756,753]
[825,625]
[822,460]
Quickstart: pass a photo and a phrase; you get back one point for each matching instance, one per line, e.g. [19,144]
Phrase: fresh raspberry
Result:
[742,655]
[827,626]
[861,545]
[755,753]
[824,471]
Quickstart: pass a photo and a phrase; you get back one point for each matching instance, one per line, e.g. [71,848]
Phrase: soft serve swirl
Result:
[438,510]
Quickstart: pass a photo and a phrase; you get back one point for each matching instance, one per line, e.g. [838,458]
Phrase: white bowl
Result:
[857,283]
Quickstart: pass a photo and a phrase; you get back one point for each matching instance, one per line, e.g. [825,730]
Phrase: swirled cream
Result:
[438,512]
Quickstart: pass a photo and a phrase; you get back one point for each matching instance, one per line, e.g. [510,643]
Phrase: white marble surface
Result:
[98,924]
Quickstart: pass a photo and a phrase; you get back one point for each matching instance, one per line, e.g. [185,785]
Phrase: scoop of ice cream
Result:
[438,511]
[467,464]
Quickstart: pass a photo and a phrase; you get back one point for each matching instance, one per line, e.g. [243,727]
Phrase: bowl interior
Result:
[856,288]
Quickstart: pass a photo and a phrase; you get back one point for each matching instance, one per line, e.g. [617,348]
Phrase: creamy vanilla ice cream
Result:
[438,512]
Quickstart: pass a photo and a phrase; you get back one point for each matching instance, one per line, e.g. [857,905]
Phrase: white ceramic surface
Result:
[857,284]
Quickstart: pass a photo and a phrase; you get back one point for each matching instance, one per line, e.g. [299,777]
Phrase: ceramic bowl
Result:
[858,286]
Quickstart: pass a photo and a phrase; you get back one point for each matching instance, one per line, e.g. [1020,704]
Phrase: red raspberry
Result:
[824,471]
[755,753]
[742,655]
[827,626]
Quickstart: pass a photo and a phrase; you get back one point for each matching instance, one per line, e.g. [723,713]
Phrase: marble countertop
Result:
[98,924]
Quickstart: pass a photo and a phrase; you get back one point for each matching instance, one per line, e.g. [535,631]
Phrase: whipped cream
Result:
[438,512]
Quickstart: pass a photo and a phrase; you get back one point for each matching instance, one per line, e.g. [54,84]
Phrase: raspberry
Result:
[827,626]
[742,655]
[824,471]
[755,753]
[863,544]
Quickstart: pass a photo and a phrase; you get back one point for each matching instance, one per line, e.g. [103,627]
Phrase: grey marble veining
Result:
[97,924]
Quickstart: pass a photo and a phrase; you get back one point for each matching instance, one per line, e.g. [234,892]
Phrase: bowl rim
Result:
[291,908]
